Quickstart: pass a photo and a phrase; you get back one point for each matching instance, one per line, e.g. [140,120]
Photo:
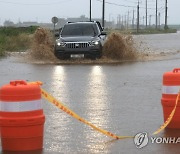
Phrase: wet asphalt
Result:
[121,98]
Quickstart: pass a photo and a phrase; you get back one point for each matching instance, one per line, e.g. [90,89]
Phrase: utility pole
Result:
[103,13]
[146,14]
[128,20]
[120,21]
[156,15]
[117,25]
[90,11]
[159,20]
[149,21]
[138,17]
[122,26]
[166,8]
[143,21]
[125,22]
[133,20]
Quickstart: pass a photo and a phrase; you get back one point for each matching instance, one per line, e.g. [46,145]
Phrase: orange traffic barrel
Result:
[170,89]
[21,116]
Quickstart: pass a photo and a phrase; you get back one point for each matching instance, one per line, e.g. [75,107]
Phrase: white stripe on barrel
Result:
[170,89]
[21,106]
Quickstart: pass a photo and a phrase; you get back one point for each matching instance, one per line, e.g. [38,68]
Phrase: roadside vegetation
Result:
[15,39]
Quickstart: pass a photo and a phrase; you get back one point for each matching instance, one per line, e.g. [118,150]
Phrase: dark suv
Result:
[80,39]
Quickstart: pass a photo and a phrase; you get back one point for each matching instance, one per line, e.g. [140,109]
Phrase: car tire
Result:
[93,57]
[62,56]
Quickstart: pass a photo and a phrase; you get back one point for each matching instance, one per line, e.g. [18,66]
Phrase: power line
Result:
[130,1]
[122,5]
[117,4]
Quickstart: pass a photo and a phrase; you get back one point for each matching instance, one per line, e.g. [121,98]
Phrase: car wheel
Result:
[62,56]
[93,57]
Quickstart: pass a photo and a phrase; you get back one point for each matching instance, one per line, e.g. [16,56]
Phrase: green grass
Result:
[14,31]
[2,43]
[15,39]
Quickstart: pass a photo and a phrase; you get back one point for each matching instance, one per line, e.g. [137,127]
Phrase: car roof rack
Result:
[81,21]
[97,22]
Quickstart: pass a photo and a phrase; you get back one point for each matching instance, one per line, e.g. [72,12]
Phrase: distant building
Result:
[63,21]
[81,18]
[60,24]
[8,23]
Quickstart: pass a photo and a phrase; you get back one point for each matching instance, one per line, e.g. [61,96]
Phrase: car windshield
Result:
[79,30]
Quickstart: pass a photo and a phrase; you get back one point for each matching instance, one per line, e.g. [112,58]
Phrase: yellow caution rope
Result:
[61,106]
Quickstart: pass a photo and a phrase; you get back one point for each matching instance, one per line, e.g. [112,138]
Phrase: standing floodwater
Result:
[123,98]
[161,42]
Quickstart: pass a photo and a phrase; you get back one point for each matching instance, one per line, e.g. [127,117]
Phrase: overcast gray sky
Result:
[43,10]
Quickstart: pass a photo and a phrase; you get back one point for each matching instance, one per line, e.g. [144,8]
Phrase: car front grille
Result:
[73,45]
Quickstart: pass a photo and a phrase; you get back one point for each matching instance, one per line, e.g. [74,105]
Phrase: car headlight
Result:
[60,44]
[94,43]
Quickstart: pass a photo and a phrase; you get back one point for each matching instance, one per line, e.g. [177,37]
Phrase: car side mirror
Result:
[56,34]
[103,33]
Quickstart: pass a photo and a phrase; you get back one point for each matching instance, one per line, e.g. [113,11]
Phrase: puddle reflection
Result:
[59,82]
[57,122]
[97,107]
[97,97]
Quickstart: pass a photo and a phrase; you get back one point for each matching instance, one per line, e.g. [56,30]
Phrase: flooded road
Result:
[160,42]
[123,99]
